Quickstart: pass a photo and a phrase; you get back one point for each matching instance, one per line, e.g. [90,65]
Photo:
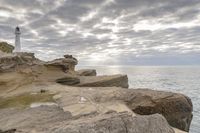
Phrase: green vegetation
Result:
[5,47]
[25,100]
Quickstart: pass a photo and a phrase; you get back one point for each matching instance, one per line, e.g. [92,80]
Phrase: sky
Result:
[106,32]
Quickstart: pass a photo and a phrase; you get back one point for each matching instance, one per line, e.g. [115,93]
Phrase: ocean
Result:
[181,79]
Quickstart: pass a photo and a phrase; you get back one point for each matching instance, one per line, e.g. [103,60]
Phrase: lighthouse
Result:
[17,40]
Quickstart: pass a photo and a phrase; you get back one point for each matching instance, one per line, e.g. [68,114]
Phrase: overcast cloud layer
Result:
[105,32]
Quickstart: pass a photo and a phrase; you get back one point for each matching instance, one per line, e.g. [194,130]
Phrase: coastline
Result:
[82,95]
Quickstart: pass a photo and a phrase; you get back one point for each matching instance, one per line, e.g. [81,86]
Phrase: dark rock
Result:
[68,56]
[42,91]
[87,72]
[8,131]
[68,80]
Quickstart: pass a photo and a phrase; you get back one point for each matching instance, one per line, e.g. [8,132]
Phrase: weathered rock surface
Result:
[53,120]
[95,102]
[11,62]
[6,48]
[87,72]
[66,64]
[104,81]
[176,108]
[92,101]
[23,60]
[118,123]
[68,80]
[31,117]
[95,81]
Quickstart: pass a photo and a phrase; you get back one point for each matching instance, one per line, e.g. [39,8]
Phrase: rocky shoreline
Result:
[67,100]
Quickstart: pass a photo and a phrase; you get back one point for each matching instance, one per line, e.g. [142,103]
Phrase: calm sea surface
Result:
[182,79]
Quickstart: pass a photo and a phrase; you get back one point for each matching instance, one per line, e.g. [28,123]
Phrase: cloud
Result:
[106,31]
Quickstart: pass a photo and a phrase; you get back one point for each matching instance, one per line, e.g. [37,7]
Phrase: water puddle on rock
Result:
[34,105]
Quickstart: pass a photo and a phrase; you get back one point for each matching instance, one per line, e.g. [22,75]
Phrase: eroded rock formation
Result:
[87,72]
[6,48]
[82,101]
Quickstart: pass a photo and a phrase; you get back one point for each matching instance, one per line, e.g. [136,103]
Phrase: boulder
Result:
[176,108]
[87,72]
[66,64]
[104,81]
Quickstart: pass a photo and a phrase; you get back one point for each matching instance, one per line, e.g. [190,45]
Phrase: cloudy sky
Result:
[106,32]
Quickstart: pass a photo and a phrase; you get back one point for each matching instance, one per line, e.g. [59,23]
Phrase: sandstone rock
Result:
[117,123]
[23,60]
[29,117]
[83,102]
[104,81]
[66,64]
[87,72]
[68,80]
[51,119]
[17,60]
[69,57]
[6,48]
[95,103]
[176,108]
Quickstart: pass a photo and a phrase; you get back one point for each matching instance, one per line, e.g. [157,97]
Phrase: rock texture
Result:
[176,108]
[87,72]
[68,80]
[95,81]
[53,120]
[66,64]
[11,62]
[82,104]
[6,48]
[104,81]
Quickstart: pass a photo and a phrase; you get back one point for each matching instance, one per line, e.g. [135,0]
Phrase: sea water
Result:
[181,79]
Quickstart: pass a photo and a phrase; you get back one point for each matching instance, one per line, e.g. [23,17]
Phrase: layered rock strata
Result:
[39,96]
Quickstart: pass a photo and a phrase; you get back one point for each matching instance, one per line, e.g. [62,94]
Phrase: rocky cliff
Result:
[52,97]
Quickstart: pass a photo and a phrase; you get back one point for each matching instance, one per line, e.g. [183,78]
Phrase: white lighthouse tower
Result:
[17,40]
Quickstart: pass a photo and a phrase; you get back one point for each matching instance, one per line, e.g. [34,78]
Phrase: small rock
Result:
[68,56]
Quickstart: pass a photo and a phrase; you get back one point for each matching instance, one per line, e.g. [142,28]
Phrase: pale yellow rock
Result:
[178,131]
